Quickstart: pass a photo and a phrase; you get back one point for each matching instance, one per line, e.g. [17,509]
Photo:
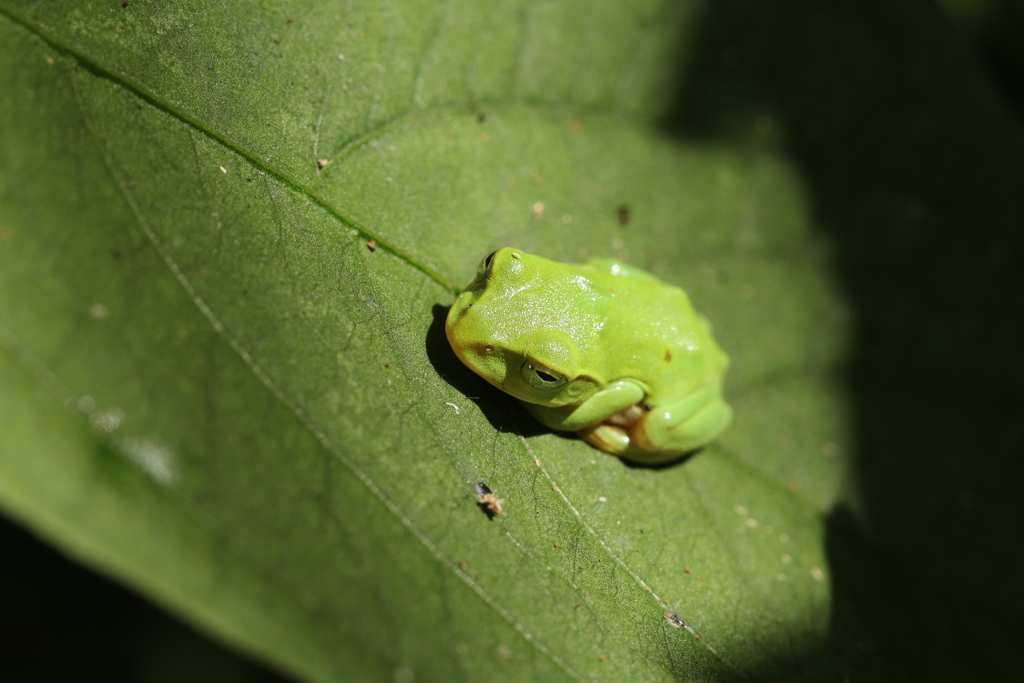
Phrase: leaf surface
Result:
[218,391]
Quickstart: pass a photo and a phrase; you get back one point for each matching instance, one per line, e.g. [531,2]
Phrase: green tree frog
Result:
[602,349]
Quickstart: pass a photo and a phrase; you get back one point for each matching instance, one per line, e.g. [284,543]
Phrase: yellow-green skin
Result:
[601,349]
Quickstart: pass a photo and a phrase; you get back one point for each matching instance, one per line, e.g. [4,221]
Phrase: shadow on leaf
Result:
[501,410]
[914,174]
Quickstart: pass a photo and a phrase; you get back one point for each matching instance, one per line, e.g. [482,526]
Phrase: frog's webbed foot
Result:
[661,433]
[608,438]
[613,435]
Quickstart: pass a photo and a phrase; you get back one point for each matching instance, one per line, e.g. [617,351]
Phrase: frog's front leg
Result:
[665,431]
[614,398]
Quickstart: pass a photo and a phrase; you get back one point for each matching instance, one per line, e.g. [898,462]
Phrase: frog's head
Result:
[511,326]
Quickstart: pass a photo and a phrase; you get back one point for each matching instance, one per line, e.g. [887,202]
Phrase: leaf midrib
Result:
[101,70]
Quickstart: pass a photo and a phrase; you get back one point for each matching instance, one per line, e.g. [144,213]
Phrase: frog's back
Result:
[654,335]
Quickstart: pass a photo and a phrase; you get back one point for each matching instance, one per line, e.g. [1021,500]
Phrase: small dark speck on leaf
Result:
[481,117]
[125,3]
[648,407]
[487,501]
[372,245]
[387,365]
[601,658]
[675,621]
[320,163]
[291,21]
[624,215]
[116,254]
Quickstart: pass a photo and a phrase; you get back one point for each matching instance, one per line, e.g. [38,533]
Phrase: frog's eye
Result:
[485,265]
[542,377]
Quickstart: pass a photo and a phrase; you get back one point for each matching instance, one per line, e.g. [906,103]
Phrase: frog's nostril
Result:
[462,312]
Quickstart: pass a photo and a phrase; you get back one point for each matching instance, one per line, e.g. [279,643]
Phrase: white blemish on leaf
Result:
[152,458]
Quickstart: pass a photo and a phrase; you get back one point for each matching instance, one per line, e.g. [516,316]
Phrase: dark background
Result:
[905,123]
[63,622]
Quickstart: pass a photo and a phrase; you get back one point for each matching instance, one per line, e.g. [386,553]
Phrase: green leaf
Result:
[227,241]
